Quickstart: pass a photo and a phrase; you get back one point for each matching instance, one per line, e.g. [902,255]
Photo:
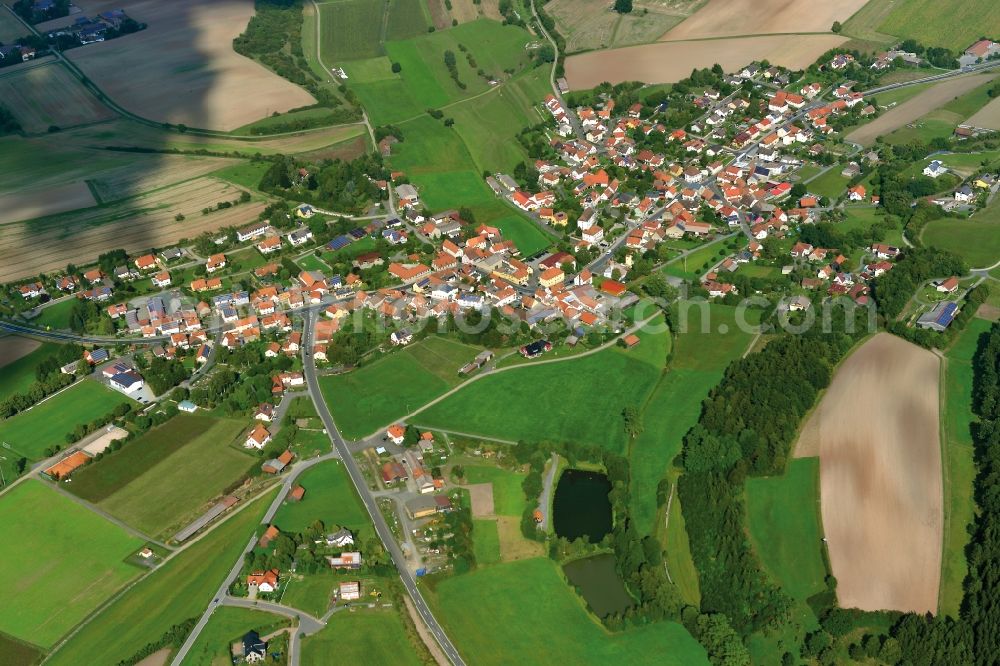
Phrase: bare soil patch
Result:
[182,68]
[491,9]
[46,96]
[13,348]
[139,223]
[988,116]
[877,428]
[666,62]
[464,11]
[439,15]
[481,496]
[727,18]
[347,150]
[914,108]
[29,204]
[988,312]
[513,545]
[159,658]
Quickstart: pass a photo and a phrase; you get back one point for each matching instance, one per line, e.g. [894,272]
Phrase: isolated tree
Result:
[396,68]
[623,6]
[836,26]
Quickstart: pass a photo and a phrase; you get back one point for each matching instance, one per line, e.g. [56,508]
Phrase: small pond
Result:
[599,584]
[581,507]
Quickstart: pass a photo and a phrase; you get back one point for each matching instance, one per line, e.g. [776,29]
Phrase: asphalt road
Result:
[381,527]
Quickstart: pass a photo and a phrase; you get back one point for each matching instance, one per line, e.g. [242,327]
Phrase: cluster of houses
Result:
[89,30]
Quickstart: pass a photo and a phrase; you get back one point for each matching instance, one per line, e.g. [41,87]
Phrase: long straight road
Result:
[358,479]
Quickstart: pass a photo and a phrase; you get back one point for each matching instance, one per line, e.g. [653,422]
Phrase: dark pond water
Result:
[599,584]
[581,507]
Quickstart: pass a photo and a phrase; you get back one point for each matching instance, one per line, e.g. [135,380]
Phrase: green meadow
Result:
[64,559]
[578,399]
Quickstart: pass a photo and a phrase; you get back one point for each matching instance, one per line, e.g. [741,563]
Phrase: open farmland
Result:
[532,611]
[351,29]
[48,95]
[977,240]
[183,69]
[10,28]
[68,561]
[18,359]
[912,109]
[576,399]
[174,592]
[880,478]
[731,18]
[155,492]
[953,24]
[407,18]
[362,637]
[593,24]
[39,202]
[47,423]
[371,397]
[148,220]
[666,62]
[988,116]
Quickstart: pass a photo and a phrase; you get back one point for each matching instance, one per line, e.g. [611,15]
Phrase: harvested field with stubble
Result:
[138,223]
[987,117]
[877,434]
[667,62]
[39,202]
[593,24]
[730,18]
[46,96]
[930,99]
[183,69]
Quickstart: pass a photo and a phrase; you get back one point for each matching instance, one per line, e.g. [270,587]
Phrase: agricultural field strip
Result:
[121,225]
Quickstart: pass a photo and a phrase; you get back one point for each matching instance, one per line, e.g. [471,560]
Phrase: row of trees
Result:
[893,289]
[48,380]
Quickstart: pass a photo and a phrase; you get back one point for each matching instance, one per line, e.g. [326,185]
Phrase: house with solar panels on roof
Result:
[940,317]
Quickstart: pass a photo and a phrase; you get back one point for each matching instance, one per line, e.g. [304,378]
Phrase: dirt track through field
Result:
[910,110]
[666,62]
[183,69]
[726,18]
[877,435]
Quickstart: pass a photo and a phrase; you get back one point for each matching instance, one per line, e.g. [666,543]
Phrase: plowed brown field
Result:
[877,434]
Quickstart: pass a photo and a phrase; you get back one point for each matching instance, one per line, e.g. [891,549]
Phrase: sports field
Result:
[784,523]
[329,497]
[365,636]
[371,397]
[168,474]
[578,399]
[532,611]
[46,424]
[176,591]
[67,560]
[880,478]
[226,626]
[977,240]
[18,359]
[698,361]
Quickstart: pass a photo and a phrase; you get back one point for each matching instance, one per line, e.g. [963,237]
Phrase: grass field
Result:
[698,361]
[55,316]
[784,525]
[329,497]
[407,18]
[863,218]
[977,240]
[508,497]
[953,24]
[959,466]
[831,184]
[68,561]
[227,625]
[365,636]
[17,376]
[18,653]
[371,397]
[532,611]
[46,424]
[677,555]
[485,541]
[350,29]
[178,590]
[581,398]
[167,475]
